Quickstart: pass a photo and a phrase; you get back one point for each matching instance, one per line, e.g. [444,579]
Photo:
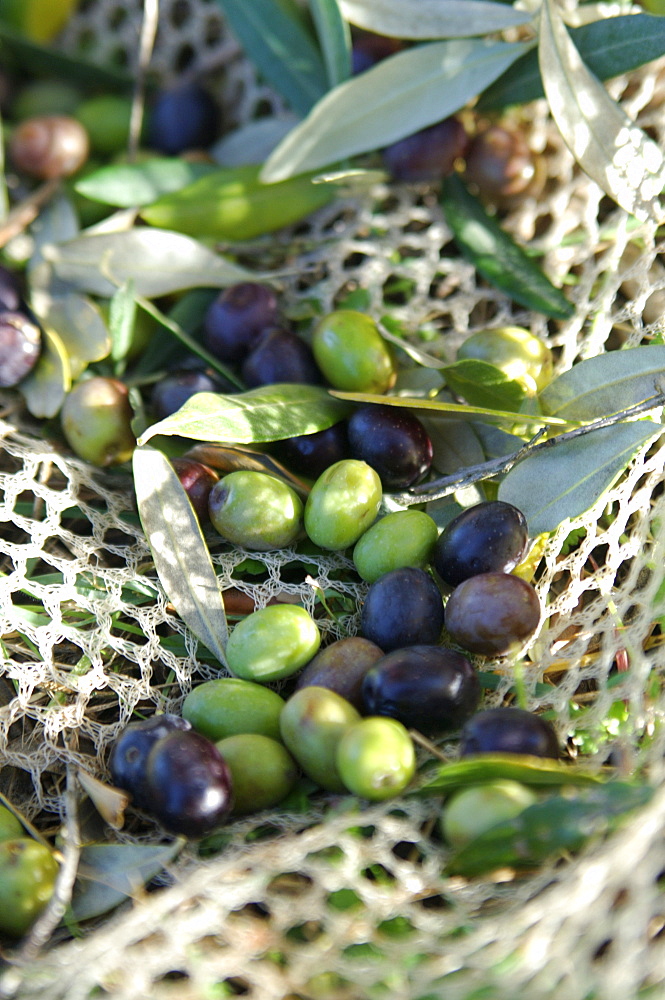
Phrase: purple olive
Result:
[490,537]
[508,730]
[492,613]
[20,347]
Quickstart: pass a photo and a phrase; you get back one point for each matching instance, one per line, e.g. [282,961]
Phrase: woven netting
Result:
[343,901]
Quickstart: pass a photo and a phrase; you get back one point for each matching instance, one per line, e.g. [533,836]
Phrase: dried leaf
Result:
[109,802]
[225,458]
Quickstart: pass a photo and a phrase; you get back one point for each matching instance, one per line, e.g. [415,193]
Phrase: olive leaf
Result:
[558,823]
[334,39]
[45,387]
[609,147]
[79,325]
[108,874]
[398,96]
[227,458]
[483,384]
[496,255]
[552,485]
[269,413]
[478,770]
[129,185]
[159,262]
[418,19]
[122,317]
[178,548]
[592,387]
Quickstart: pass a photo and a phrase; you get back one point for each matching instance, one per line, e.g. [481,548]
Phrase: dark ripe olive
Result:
[425,687]
[10,290]
[402,608]
[492,613]
[429,154]
[500,163]
[341,667]
[312,454]
[169,394]
[20,346]
[49,146]
[129,753]
[280,356]
[368,48]
[490,537]
[183,117]
[508,730]
[234,322]
[197,480]
[188,784]
[393,441]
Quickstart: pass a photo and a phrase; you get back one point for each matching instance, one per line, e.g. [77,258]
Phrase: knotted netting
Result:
[340,901]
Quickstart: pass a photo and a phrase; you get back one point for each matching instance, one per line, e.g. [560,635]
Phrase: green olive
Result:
[518,353]
[312,724]
[10,827]
[342,504]
[474,810]
[106,119]
[255,510]
[403,538]
[272,643]
[376,758]
[96,419]
[229,705]
[263,772]
[28,872]
[352,354]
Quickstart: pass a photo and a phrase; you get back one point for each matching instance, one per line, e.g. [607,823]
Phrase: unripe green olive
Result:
[10,827]
[229,705]
[97,421]
[376,758]
[342,504]
[312,724]
[106,119]
[263,772]
[272,643]
[403,538]
[255,510]
[352,354]
[472,811]
[28,872]
[517,352]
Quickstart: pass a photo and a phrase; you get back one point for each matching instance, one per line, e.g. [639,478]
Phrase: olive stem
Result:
[23,214]
[437,489]
[146,44]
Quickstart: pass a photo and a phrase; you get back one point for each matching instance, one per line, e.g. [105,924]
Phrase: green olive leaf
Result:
[495,254]
[79,325]
[45,387]
[398,96]
[179,550]
[334,39]
[558,823]
[108,874]
[553,485]
[269,413]
[609,147]
[129,185]
[480,769]
[593,387]
[159,262]
[420,19]
[484,384]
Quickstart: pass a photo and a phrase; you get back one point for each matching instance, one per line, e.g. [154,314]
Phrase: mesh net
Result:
[342,902]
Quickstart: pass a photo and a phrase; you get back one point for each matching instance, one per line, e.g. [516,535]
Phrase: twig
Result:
[437,489]
[27,211]
[146,45]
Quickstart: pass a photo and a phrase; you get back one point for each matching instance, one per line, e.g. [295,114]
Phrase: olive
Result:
[352,354]
[376,758]
[369,48]
[129,753]
[182,117]
[429,688]
[197,480]
[227,706]
[312,723]
[20,347]
[10,291]
[97,419]
[517,352]
[403,538]
[312,454]
[393,441]
[235,320]
[492,613]
[10,826]
[341,667]
[501,164]
[28,871]
[508,730]
[402,608]
[188,784]
[272,643]
[280,356]
[106,118]
[472,811]
[45,97]
[342,504]
[428,154]
[49,146]
[490,537]
[263,772]
[255,510]
[171,392]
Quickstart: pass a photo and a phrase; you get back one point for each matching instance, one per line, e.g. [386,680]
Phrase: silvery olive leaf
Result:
[432,18]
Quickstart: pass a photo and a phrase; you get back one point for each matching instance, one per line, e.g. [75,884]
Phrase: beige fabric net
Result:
[343,903]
